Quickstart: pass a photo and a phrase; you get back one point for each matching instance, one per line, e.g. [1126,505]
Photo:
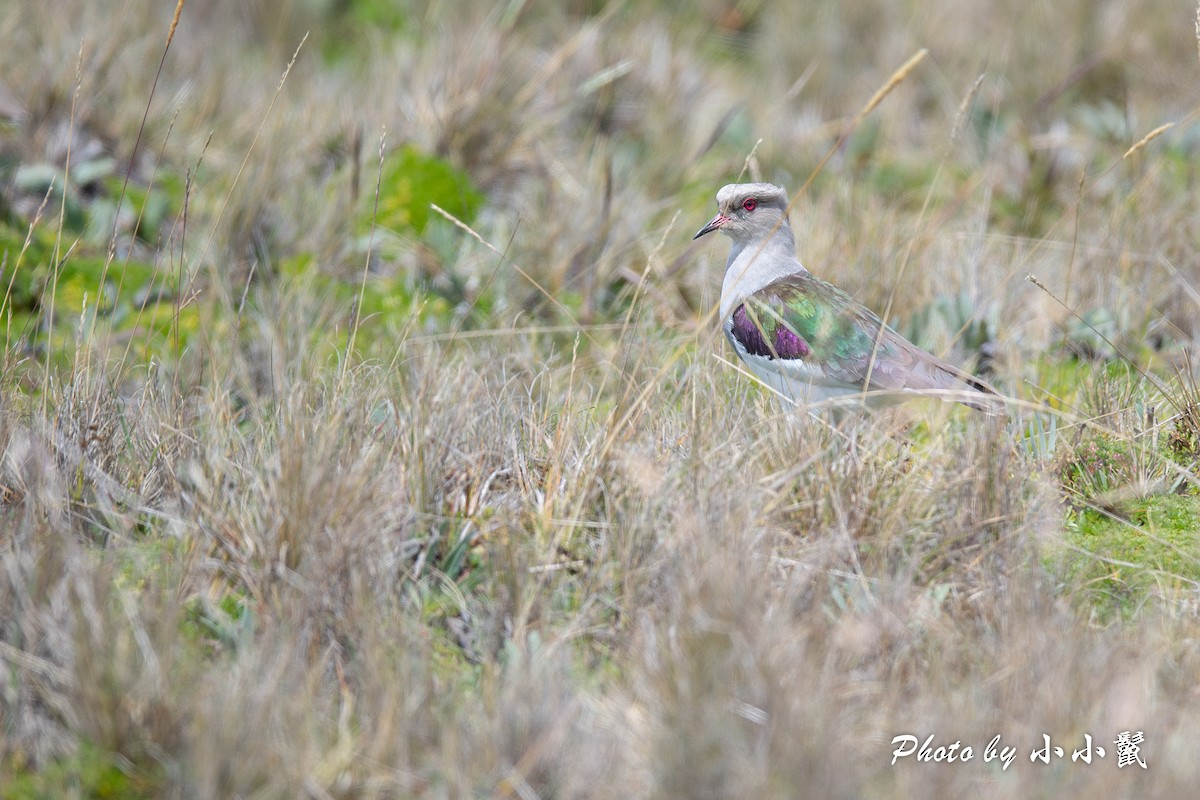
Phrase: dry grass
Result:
[541,542]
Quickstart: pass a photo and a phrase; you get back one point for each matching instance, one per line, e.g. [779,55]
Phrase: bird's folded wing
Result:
[802,317]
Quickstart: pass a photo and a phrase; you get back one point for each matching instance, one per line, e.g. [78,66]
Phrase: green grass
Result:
[1143,552]
[89,772]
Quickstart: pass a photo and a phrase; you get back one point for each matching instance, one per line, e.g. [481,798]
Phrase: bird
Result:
[803,337]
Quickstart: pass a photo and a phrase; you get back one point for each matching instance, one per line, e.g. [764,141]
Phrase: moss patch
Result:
[88,772]
[1118,559]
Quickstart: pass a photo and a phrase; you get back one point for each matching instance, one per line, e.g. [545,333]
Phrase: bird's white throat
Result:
[754,265]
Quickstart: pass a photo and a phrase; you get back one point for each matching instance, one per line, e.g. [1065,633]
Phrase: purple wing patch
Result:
[748,335]
[786,343]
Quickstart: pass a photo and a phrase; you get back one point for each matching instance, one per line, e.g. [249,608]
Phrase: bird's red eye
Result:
[750,204]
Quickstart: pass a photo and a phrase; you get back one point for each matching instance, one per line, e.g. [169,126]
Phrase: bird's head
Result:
[748,212]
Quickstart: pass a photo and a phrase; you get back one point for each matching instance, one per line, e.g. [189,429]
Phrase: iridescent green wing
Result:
[804,317]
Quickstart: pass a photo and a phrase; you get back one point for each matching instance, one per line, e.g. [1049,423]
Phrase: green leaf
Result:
[411,182]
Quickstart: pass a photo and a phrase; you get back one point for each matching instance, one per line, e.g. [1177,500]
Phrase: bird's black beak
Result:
[713,224]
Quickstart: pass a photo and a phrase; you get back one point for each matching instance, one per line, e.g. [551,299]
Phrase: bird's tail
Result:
[990,402]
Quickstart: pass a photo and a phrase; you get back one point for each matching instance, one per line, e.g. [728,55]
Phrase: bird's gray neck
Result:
[755,264]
